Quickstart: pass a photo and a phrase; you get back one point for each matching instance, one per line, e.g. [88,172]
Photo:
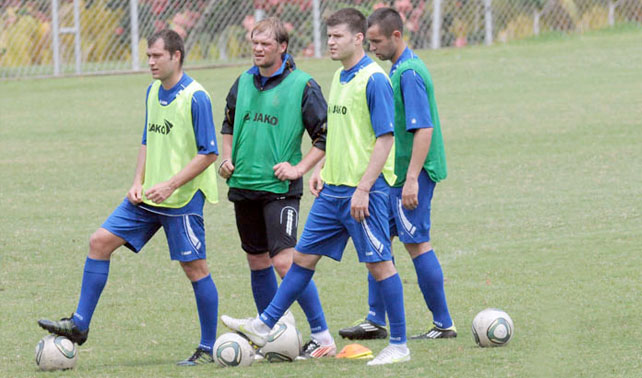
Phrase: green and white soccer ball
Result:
[284,343]
[56,353]
[492,327]
[232,349]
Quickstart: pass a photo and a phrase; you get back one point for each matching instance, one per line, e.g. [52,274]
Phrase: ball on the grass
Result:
[492,327]
[56,353]
[232,349]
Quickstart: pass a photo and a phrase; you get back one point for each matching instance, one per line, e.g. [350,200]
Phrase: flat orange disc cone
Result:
[355,352]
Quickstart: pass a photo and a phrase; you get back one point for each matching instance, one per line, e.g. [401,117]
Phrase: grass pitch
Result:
[540,216]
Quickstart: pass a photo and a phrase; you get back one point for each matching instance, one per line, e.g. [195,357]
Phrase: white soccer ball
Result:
[283,344]
[56,353]
[492,327]
[232,349]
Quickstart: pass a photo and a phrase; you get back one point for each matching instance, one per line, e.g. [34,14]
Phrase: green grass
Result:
[540,216]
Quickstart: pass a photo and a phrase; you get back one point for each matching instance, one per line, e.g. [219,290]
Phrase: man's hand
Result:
[359,204]
[409,194]
[226,169]
[135,194]
[316,183]
[285,171]
[160,192]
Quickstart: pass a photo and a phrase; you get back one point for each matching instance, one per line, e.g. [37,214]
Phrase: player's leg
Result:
[321,233]
[431,282]
[127,225]
[281,219]
[371,238]
[414,227]
[373,326]
[252,232]
[186,239]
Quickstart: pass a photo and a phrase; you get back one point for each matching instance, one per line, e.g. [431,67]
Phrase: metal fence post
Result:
[611,13]
[316,27]
[55,35]
[436,25]
[76,31]
[133,15]
[488,21]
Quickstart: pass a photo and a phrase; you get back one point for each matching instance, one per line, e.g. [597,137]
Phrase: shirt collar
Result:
[347,75]
[405,55]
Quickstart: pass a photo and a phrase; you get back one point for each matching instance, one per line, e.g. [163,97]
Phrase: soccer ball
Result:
[232,349]
[56,353]
[283,344]
[492,327]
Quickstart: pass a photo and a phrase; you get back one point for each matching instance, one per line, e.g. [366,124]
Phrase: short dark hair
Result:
[275,26]
[388,20]
[173,42]
[355,20]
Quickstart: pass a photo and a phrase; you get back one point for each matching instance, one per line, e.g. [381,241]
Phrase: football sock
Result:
[94,279]
[207,305]
[392,292]
[311,306]
[431,282]
[377,312]
[323,337]
[293,284]
[264,287]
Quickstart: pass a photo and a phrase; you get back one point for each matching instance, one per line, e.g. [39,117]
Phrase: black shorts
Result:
[267,225]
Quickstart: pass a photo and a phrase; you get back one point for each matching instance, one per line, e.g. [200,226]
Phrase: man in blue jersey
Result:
[420,162]
[172,181]
[268,109]
[352,188]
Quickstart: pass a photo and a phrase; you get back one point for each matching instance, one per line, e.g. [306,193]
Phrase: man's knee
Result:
[103,243]
[259,261]
[195,270]
[282,261]
[382,270]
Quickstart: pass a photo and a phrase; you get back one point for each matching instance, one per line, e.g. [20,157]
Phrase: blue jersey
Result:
[414,95]
[380,100]
[201,115]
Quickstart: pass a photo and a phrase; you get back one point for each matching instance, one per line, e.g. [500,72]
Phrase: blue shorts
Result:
[329,225]
[137,224]
[412,226]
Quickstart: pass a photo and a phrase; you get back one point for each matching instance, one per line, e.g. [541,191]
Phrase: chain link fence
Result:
[54,37]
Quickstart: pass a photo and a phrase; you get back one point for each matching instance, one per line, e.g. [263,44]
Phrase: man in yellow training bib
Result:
[352,190]
[172,181]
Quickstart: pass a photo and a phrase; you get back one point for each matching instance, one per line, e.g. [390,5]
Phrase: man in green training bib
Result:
[269,107]
[173,178]
[420,162]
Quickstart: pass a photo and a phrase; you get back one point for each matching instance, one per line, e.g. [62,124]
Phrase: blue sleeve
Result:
[381,104]
[144,141]
[203,124]
[415,98]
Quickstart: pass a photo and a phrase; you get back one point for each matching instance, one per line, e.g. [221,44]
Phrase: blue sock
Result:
[207,305]
[293,284]
[392,293]
[94,279]
[377,313]
[264,287]
[431,283]
[311,304]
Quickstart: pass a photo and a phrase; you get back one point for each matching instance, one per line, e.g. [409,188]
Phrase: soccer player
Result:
[268,109]
[173,179]
[420,162]
[352,201]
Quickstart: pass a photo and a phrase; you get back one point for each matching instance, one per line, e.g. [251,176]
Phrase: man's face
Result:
[341,42]
[267,51]
[161,63]
[383,47]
